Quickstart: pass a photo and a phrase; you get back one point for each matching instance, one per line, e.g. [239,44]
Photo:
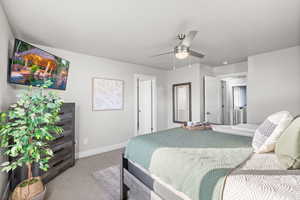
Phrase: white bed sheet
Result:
[242,129]
[262,178]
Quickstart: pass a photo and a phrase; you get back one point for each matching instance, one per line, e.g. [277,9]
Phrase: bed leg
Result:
[124,192]
[123,188]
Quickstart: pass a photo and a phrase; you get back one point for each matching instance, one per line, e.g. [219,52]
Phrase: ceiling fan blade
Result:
[187,41]
[161,54]
[196,54]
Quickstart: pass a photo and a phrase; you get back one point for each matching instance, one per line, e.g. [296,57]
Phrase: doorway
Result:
[145,104]
[239,96]
[225,99]
[235,100]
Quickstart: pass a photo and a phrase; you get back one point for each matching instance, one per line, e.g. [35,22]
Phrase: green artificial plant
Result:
[3,117]
[29,125]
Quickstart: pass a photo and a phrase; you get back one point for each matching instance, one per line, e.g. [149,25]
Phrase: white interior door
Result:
[213,99]
[145,107]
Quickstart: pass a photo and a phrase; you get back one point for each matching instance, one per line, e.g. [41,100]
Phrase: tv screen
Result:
[33,66]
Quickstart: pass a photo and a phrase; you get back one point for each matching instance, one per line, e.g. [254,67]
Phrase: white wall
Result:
[184,75]
[194,74]
[241,67]
[6,39]
[273,83]
[100,130]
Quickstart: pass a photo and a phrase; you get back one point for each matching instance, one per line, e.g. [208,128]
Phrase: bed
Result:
[178,164]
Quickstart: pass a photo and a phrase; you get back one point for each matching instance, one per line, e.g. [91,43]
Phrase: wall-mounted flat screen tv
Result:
[33,66]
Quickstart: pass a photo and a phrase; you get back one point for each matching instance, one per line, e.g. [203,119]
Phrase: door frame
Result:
[154,101]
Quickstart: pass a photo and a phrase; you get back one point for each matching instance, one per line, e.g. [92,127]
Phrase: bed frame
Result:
[144,178]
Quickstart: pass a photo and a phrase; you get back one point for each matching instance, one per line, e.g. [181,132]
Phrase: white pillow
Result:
[268,133]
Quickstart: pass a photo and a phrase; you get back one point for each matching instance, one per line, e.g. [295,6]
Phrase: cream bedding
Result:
[262,178]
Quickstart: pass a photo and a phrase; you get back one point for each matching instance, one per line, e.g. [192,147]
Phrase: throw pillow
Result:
[288,146]
[268,133]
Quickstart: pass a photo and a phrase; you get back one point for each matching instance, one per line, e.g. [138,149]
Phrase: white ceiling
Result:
[133,30]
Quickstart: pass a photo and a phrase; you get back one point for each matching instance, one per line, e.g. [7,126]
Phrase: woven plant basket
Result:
[35,191]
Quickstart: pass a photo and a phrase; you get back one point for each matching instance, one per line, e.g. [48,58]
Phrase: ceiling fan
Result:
[182,50]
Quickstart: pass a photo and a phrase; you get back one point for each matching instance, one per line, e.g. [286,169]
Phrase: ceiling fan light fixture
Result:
[181,52]
[182,55]
[225,62]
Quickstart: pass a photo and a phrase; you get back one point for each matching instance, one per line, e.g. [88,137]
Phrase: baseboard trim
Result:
[100,150]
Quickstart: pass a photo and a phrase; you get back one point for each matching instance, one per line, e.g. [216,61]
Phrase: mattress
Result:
[161,190]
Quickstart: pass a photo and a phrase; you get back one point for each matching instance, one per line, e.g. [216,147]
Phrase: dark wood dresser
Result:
[63,148]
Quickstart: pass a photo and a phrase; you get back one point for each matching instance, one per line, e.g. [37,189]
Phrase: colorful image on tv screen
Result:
[33,66]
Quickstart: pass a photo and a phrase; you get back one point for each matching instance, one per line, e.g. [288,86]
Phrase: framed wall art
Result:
[108,94]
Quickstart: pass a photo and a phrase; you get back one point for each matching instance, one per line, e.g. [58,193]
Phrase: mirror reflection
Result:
[182,102]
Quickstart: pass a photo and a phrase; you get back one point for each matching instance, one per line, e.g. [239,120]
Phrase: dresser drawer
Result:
[66,116]
[56,169]
[65,124]
[63,149]
[67,108]
[58,160]
[61,142]
[64,134]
